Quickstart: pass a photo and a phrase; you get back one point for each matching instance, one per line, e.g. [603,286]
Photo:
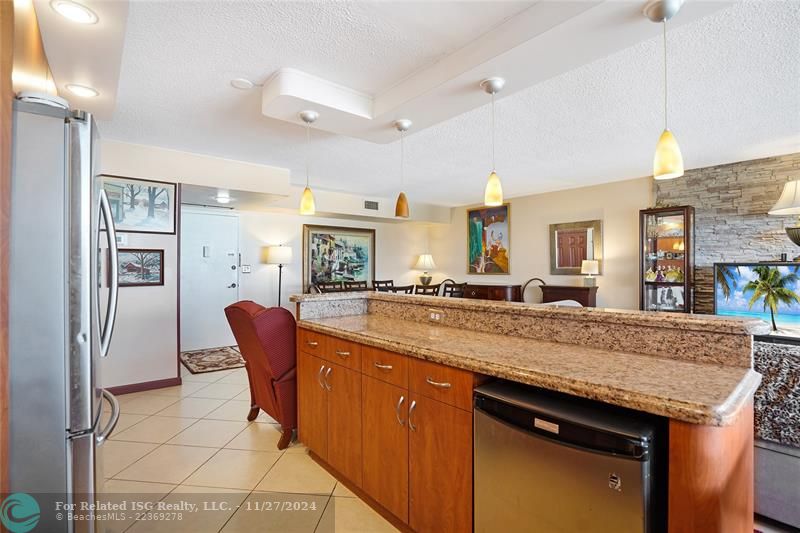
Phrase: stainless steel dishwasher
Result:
[551,463]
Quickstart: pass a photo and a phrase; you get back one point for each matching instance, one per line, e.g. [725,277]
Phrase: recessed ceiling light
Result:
[74,11]
[82,90]
[223,198]
[242,83]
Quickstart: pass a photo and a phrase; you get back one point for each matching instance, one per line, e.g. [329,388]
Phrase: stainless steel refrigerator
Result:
[57,328]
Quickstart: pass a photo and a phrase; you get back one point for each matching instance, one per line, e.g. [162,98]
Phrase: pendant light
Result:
[401,207]
[493,194]
[307,206]
[668,161]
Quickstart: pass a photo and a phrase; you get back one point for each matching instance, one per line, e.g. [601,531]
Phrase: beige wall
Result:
[616,204]
[397,246]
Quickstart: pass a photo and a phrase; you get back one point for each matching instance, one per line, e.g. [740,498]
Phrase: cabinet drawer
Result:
[342,352]
[450,385]
[476,291]
[312,342]
[385,366]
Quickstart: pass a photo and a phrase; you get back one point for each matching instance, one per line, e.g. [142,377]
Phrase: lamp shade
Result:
[307,206]
[425,262]
[493,194]
[668,161]
[789,202]
[276,255]
[590,266]
[401,207]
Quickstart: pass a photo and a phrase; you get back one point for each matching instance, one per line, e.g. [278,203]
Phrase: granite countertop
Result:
[606,315]
[691,392]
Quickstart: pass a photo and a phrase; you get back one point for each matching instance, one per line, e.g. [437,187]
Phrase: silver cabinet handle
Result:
[112,422]
[111,310]
[327,375]
[386,368]
[411,409]
[313,344]
[439,384]
[397,410]
[319,376]
[343,355]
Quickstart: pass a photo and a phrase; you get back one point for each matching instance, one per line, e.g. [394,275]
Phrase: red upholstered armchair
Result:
[266,339]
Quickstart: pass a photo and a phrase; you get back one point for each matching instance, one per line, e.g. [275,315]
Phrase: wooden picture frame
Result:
[337,253]
[131,259]
[141,205]
[587,227]
[489,240]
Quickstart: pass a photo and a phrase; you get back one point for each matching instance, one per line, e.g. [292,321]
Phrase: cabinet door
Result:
[311,404]
[440,466]
[344,421]
[385,462]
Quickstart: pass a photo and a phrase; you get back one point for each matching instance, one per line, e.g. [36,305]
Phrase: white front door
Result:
[209,277]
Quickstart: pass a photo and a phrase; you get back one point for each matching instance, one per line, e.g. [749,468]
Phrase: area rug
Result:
[212,359]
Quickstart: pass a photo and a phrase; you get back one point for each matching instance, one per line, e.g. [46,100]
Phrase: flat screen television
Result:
[769,291]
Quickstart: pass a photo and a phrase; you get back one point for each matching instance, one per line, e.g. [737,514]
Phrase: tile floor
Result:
[192,443]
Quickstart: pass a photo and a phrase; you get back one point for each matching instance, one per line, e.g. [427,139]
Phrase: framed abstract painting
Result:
[333,253]
[141,206]
[489,240]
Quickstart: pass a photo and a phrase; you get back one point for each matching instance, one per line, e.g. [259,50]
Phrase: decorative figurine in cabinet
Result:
[666,263]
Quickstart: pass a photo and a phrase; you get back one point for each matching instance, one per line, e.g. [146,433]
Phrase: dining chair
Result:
[329,286]
[453,290]
[382,285]
[428,290]
[355,285]
[525,286]
[405,289]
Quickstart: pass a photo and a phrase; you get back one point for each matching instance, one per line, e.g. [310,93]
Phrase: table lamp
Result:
[425,263]
[789,204]
[590,267]
[277,255]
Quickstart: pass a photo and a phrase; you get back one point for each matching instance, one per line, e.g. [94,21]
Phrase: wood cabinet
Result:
[398,428]
[509,293]
[440,466]
[312,408]
[586,296]
[386,445]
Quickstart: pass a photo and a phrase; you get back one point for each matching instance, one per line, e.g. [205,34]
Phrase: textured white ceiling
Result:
[734,93]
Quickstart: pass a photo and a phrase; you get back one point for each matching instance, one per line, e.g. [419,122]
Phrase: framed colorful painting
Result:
[489,240]
[141,206]
[333,253]
[140,267]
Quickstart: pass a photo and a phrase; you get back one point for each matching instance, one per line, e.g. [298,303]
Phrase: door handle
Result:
[313,344]
[397,410]
[411,409]
[327,375]
[111,309]
[232,286]
[438,384]
[319,376]
[342,354]
[386,368]
[112,422]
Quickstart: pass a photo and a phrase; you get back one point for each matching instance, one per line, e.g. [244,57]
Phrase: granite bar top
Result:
[692,392]
[681,321]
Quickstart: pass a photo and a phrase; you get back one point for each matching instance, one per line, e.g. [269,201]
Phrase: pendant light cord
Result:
[665,73]
[493,159]
[402,158]
[308,148]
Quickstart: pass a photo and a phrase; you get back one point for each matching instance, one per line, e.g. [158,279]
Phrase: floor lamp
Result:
[277,255]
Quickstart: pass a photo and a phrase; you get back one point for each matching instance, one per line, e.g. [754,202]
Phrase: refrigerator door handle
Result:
[111,311]
[103,435]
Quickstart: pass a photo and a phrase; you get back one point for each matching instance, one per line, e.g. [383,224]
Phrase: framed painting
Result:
[141,206]
[137,267]
[333,253]
[489,240]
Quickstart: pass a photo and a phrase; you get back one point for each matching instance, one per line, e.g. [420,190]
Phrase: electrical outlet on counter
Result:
[245,269]
[435,315]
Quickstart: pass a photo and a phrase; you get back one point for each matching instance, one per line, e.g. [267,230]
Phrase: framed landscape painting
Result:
[140,267]
[141,206]
[332,253]
[489,240]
